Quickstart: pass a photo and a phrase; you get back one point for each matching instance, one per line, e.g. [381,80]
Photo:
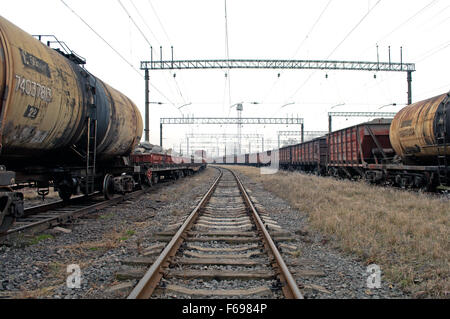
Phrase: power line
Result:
[439,48]
[300,46]
[409,19]
[334,50]
[354,28]
[143,35]
[402,24]
[134,22]
[117,52]
[159,20]
[227,52]
[143,20]
[106,42]
[312,28]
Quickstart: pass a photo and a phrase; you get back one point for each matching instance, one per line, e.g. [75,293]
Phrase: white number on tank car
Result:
[33,89]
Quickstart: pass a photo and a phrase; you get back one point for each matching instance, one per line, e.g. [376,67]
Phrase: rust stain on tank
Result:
[413,128]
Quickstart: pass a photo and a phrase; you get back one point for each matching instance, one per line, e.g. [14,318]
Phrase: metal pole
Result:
[161,135]
[147,106]
[389,56]
[401,58]
[329,123]
[151,57]
[378,58]
[188,145]
[409,79]
[278,141]
[262,144]
[303,132]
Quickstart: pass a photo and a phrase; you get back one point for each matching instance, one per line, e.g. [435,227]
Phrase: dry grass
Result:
[407,234]
[110,240]
[31,193]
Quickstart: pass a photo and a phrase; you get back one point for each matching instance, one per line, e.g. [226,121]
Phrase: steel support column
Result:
[409,79]
[161,135]
[147,106]
[303,132]
[330,119]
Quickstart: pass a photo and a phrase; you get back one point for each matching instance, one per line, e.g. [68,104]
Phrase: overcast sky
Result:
[257,29]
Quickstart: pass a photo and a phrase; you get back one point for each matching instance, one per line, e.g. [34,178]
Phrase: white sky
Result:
[261,29]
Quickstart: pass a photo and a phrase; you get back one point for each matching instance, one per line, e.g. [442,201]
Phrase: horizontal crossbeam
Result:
[278,64]
[222,136]
[299,133]
[363,114]
[230,120]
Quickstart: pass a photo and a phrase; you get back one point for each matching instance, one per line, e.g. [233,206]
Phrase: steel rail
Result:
[67,216]
[290,288]
[149,282]
[56,204]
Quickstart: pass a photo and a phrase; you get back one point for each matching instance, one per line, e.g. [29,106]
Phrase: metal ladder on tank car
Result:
[442,147]
[91,147]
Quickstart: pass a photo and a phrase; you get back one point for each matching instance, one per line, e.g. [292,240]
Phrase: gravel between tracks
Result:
[36,266]
[344,276]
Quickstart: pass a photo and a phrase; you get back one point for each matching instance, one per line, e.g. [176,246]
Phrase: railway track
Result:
[223,250]
[42,217]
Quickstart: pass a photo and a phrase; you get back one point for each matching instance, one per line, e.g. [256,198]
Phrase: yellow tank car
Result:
[46,99]
[415,130]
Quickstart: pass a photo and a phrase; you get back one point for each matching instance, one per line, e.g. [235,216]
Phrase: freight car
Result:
[255,159]
[310,156]
[61,126]
[410,151]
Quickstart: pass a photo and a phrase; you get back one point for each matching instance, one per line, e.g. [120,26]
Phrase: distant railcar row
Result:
[410,151]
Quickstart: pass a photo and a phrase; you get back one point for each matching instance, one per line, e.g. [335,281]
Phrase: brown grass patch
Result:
[405,233]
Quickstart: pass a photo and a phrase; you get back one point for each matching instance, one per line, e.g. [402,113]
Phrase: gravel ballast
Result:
[36,266]
[342,277]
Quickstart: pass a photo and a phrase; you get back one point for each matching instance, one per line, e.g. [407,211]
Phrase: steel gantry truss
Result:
[278,64]
[269,64]
[357,114]
[228,121]
[223,137]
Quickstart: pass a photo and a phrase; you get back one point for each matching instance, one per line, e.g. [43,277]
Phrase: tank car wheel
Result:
[6,223]
[64,194]
[108,186]
[65,189]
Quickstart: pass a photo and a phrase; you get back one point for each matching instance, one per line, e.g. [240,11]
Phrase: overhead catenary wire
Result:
[311,29]
[98,35]
[115,51]
[167,36]
[227,53]
[134,22]
[159,21]
[432,2]
[146,39]
[402,24]
[143,20]
[300,46]
[337,47]
[353,29]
